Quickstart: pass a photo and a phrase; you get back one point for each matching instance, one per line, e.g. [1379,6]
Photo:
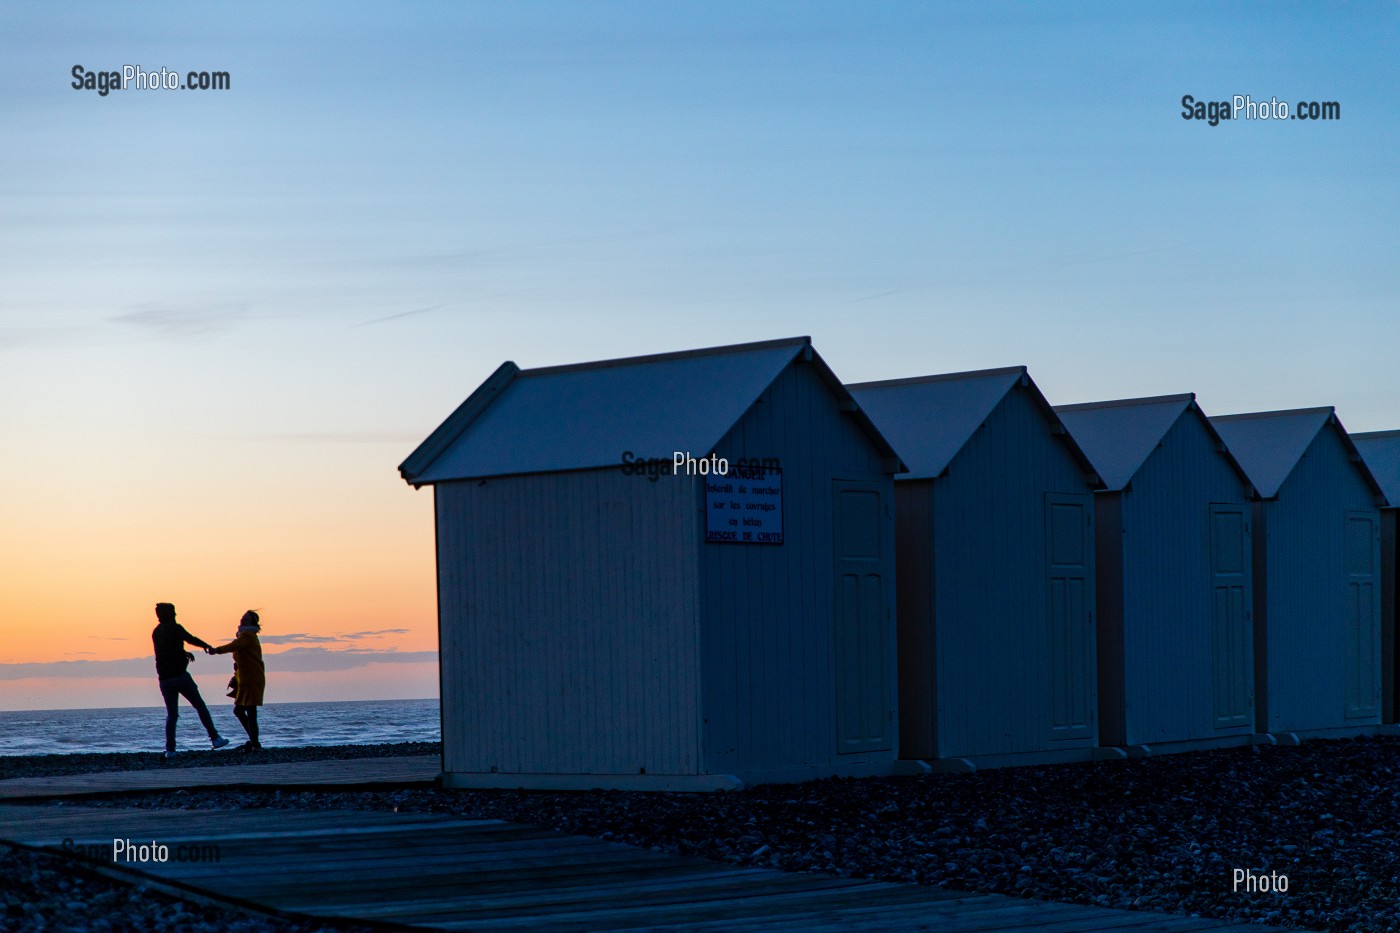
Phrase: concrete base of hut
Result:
[971,763]
[685,783]
[1193,745]
[1347,732]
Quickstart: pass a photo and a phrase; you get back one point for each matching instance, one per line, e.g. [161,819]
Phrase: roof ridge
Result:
[1280,413]
[1124,402]
[794,342]
[939,377]
[1370,435]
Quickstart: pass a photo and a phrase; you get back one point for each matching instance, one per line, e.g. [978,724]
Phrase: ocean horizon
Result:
[142,728]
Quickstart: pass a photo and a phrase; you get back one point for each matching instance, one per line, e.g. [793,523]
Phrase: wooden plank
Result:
[719,890]
[298,884]
[404,770]
[978,913]
[774,904]
[449,873]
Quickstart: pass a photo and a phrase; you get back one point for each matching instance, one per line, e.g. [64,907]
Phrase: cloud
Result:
[126,667]
[395,317]
[298,638]
[183,323]
[375,633]
[291,661]
[298,660]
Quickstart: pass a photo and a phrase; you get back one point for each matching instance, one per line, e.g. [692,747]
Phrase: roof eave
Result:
[1252,491]
[1059,428]
[423,457]
[1354,454]
[850,406]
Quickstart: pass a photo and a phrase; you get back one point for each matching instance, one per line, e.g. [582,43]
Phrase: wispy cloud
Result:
[183,322]
[375,633]
[395,317]
[126,667]
[291,661]
[297,660]
[298,638]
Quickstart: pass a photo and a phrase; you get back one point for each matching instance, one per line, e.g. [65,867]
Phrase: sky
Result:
[226,316]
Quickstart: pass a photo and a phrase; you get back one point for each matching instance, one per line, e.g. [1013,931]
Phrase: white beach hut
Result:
[607,623]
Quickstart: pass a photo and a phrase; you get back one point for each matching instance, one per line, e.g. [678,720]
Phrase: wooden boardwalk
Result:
[416,871]
[341,773]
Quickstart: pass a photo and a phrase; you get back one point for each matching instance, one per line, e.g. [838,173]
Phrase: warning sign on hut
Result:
[745,506]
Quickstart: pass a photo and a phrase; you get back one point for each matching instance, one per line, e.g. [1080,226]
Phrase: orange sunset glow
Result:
[336,553]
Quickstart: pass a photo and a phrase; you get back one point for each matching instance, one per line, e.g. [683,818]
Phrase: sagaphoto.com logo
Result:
[135,77]
[1245,107]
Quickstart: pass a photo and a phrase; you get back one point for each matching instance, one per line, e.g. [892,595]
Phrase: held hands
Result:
[208,650]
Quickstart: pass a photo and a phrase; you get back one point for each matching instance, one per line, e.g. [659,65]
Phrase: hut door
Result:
[1231,622]
[1068,538]
[863,622]
[1363,616]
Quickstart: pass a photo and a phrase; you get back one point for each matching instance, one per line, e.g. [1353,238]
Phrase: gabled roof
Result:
[930,418]
[1120,435]
[585,415]
[1269,444]
[1381,451]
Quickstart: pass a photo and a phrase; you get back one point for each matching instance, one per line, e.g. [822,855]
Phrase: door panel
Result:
[863,620]
[1231,622]
[1363,663]
[1069,559]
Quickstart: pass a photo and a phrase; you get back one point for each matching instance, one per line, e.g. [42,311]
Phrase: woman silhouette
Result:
[249,676]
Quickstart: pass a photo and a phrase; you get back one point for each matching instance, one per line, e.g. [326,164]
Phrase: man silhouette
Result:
[172,667]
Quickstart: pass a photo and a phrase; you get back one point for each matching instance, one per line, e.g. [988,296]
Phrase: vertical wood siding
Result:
[1388,640]
[1109,543]
[770,681]
[568,607]
[992,620]
[1169,678]
[917,644]
[1323,634]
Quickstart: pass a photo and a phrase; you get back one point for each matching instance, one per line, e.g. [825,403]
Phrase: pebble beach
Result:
[1162,834]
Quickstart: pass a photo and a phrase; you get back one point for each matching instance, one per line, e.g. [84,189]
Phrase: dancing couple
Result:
[172,668]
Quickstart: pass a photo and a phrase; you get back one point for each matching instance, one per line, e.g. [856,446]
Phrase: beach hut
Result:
[1172,548]
[1381,451]
[1317,592]
[994,544]
[618,609]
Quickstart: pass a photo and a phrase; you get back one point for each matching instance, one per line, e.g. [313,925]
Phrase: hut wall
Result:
[1389,660]
[1323,590]
[1183,679]
[787,683]
[568,624]
[1012,677]
[917,642]
[1108,598]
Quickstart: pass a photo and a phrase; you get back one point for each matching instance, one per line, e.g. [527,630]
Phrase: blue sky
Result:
[250,305]
[926,186]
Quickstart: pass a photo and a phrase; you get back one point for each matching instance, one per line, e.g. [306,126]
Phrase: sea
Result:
[142,729]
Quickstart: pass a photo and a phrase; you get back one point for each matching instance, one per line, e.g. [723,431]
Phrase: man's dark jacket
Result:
[169,639]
